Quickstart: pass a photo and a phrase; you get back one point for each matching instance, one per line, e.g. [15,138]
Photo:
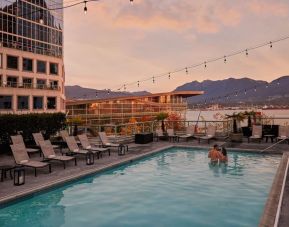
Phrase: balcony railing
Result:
[10,84]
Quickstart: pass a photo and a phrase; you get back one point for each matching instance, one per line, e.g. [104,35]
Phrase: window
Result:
[12,62]
[53,68]
[51,103]
[37,102]
[27,82]
[12,81]
[5,102]
[1,61]
[54,84]
[41,84]
[41,66]
[27,64]
[23,102]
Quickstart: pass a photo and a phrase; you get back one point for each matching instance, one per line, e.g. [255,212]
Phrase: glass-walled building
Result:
[31,56]
[120,110]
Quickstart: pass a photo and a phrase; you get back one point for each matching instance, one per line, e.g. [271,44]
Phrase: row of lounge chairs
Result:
[22,154]
[257,133]
[190,133]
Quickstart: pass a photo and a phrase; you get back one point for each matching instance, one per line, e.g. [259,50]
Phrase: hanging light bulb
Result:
[205,63]
[271,45]
[255,89]
[153,79]
[96,94]
[131,2]
[138,83]
[245,92]
[278,83]
[236,94]
[85,8]
[187,70]
[247,52]
[108,91]
[124,87]
[225,59]
[267,85]
[169,76]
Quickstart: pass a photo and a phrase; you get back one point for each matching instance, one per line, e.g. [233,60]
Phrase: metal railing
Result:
[10,84]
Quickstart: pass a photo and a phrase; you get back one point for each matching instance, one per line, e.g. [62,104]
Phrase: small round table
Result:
[4,169]
[271,136]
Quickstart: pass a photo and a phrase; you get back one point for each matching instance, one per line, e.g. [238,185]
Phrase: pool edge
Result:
[270,210]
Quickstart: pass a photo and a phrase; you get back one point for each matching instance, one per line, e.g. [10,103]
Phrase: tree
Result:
[161,117]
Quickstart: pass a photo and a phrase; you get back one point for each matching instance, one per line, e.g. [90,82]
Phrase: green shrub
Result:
[47,123]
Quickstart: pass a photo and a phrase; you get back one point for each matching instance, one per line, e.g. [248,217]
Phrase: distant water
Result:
[214,115]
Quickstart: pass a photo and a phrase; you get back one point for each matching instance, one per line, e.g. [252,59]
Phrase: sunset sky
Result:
[117,43]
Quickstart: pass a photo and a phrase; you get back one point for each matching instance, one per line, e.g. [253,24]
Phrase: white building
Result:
[31,57]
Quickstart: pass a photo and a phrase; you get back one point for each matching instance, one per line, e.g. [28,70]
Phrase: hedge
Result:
[26,124]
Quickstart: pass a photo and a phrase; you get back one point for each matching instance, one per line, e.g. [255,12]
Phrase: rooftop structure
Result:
[31,56]
[118,110]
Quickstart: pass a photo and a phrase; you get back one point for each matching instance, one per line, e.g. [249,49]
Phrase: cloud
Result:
[268,8]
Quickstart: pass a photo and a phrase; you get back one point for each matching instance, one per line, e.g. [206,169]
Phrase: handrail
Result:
[277,217]
[273,145]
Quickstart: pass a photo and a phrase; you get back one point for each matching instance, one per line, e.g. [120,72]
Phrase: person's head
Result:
[224,151]
[216,146]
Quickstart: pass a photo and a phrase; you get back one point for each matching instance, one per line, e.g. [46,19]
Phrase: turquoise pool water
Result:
[177,187]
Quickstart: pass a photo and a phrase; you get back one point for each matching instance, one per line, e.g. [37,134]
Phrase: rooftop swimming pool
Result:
[176,187]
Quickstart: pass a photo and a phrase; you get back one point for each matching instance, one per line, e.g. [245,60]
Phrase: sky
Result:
[117,43]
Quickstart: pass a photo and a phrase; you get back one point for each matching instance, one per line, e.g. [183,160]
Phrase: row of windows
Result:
[12,62]
[23,102]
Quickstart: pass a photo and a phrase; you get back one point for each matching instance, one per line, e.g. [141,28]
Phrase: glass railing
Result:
[29,86]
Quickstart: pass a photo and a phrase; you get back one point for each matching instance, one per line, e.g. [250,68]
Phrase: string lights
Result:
[224,58]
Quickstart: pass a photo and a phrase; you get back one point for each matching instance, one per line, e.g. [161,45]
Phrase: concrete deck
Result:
[44,180]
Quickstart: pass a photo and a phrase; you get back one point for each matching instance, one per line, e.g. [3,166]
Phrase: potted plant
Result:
[236,135]
[161,117]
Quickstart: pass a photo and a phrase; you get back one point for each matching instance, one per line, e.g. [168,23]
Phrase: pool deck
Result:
[45,180]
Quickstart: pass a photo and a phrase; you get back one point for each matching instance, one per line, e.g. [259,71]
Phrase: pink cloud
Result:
[269,8]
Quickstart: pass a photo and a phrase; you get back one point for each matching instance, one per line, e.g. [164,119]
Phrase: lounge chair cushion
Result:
[75,150]
[23,161]
[88,147]
[51,156]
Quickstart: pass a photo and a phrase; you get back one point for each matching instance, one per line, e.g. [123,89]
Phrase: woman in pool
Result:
[214,154]
[224,157]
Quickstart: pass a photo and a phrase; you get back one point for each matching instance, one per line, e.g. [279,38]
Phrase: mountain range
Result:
[227,91]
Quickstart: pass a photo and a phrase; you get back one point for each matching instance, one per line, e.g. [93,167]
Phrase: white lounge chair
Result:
[256,133]
[21,157]
[210,134]
[122,148]
[190,131]
[283,133]
[38,137]
[49,154]
[87,146]
[19,140]
[172,136]
[159,134]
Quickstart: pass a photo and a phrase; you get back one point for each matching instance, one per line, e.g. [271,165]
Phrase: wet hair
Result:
[224,151]
[216,146]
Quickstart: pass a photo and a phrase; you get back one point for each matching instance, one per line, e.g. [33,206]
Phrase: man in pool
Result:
[214,154]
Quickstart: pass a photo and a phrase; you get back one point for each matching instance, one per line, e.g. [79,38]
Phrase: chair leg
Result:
[75,161]
[64,165]
[35,172]
[49,168]
[109,151]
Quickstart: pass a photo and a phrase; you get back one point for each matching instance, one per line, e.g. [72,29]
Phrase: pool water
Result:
[177,187]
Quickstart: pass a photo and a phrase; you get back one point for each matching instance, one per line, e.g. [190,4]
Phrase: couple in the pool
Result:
[217,154]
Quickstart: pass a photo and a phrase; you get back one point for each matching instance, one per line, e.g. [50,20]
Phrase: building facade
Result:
[31,56]
[119,110]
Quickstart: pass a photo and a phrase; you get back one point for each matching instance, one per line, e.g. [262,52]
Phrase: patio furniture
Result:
[172,136]
[211,132]
[269,136]
[19,140]
[190,131]
[87,146]
[39,137]
[4,169]
[159,134]
[49,154]
[22,158]
[105,142]
[64,134]
[19,175]
[143,138]
[283,133]
[256,133]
